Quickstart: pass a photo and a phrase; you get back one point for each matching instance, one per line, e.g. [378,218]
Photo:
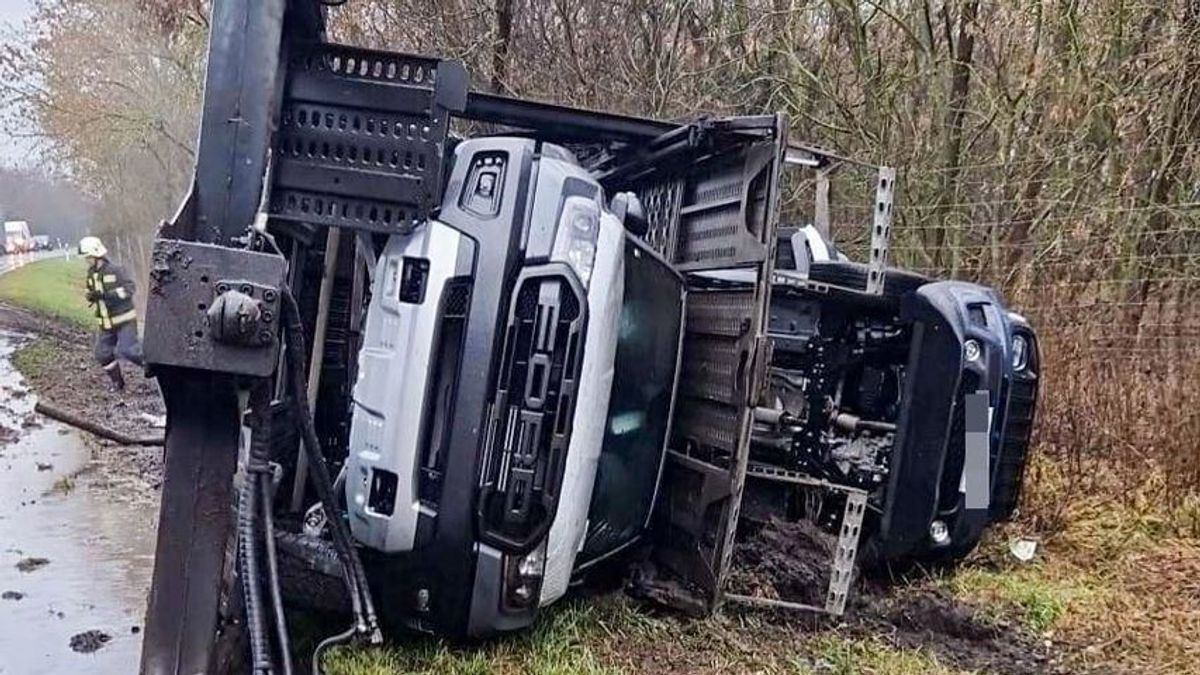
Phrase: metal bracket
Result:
[881,229]
[362,135]
[847,550]
[821,204]
[186,280]
[844,555]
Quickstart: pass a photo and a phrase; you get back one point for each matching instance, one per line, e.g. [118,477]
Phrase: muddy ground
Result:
[791,561]
[784,561]
[77,516]
[72,380]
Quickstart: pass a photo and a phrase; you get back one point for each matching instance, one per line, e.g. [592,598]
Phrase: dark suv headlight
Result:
[1020,352]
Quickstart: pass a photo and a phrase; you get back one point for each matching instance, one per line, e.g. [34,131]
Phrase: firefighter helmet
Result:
[92,247]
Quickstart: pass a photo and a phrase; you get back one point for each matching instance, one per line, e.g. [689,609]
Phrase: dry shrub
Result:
[1118,418]
[1140,612]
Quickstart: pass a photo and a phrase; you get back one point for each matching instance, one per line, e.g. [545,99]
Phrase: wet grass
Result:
[563,642]
[1114,587]
[36,357]
[51,288]
[845,656]
[1037,595]
[612,634]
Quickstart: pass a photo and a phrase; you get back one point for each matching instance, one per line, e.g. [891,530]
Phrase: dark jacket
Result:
[111,293]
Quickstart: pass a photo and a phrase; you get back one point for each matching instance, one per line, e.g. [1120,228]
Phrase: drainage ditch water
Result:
[76,549]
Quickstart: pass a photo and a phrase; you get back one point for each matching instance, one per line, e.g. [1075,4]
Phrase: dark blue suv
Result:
[921,398]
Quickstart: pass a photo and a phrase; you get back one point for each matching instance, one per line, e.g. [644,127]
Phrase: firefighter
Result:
[110,292]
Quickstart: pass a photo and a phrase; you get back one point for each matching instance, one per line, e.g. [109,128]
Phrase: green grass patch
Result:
[610,634]
[1039,596]
[847,656]
[34,357]
[52,288]
[559,644]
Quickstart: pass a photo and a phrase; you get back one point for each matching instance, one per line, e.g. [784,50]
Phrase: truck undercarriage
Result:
[450,375]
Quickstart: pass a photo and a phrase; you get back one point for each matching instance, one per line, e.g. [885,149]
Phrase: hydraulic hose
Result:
[281,631]
[259,475]
[340,638]
[319,472]
[295,377]
[260,651]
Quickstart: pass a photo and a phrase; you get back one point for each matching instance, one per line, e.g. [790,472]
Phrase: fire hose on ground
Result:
[256,495]
[54,412]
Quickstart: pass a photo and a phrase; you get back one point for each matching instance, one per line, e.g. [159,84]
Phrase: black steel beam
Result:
[562,122]
[566,124]
[242,86]
[241,94]
[193,524]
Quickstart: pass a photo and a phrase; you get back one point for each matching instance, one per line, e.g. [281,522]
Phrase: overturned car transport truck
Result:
[433,379]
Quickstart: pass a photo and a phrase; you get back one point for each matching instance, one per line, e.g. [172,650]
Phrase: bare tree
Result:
[1050,149]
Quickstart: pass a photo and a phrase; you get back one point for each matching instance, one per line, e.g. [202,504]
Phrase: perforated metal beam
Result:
[881,229]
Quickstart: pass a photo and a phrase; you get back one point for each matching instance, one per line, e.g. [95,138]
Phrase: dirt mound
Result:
[783,561]
[927,617]
[89,641]
[791,561]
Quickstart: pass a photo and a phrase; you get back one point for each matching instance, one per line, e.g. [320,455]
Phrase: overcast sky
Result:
[15,10]
[12,14]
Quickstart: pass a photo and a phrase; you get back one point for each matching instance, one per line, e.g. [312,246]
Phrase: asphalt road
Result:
[9,263]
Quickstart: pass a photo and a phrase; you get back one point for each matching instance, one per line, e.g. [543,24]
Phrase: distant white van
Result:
[17,237]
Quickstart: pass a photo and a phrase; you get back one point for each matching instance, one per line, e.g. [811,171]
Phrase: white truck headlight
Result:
[575,239]
[1020,352]
[523,577]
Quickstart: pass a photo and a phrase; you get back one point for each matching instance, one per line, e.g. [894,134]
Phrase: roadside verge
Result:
[43,301]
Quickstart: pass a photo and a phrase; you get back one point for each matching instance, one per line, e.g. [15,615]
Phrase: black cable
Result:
[352,572]
[348,578]
[248,567]
[340,638]
[294,377]
[340,546]
[285,647]
[319,475]
[295,374]
[319,472]
[258,469]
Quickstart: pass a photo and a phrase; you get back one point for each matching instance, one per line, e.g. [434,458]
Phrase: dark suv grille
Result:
[956,455]
[530,419]
[1018,428]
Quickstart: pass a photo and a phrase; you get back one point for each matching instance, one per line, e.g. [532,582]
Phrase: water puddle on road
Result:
[76,554]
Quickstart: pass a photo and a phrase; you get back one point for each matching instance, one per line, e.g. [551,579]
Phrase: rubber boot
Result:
[114,374]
